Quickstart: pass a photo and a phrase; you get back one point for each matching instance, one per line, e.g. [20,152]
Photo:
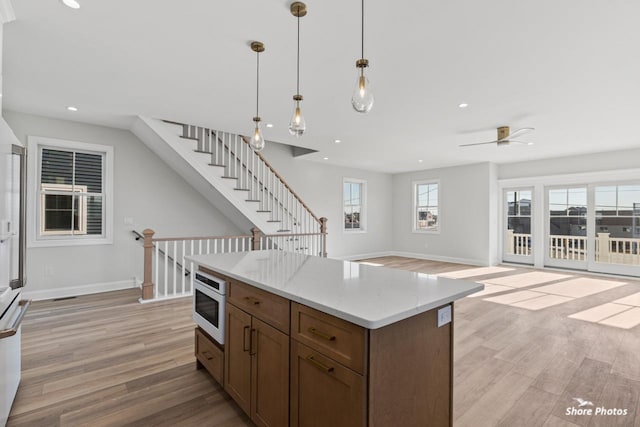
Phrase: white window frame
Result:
[35,238]
[49,189]
[363,205]
[414,215]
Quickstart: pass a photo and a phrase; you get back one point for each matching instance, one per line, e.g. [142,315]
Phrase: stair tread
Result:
[252,200]
[171,122]
[230,177]
[217,164]
[264,211]
[189,137]
[274,220]
[200,151]
[242,189]
[283,231]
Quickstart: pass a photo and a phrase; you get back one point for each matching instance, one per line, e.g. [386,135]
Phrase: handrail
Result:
[246,141]
[169,257]
[174,239]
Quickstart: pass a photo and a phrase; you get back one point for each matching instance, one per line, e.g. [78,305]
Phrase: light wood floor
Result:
[107,360]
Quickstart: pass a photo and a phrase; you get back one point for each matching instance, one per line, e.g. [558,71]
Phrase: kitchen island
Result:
[312,341]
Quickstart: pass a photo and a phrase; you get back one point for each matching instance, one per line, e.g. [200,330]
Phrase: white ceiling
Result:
[569,68]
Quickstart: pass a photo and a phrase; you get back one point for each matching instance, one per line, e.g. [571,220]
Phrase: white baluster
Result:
[166,267]
[208,246]
[156,260]
[175,266]
[184,265]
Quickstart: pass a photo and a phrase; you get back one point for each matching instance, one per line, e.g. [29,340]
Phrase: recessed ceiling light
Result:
[70,108]
[269,125]
[337,141]
[325,158]
[529,143]
[420,161]
[73,4]
[463,105]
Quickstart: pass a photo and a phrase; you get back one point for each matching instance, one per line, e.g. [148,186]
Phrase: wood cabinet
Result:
[257,356]
[323,392]
[209,355]
[288,364]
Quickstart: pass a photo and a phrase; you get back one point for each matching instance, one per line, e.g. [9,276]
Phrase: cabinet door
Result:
[237,368]
[323,392]
[269,376]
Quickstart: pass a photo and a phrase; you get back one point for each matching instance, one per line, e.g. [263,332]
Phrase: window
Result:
[354,204]
[72,182]
[426,207]
[618,211]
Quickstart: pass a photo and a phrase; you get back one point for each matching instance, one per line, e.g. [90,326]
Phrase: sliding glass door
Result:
[616,229]
[566,240]
[517,245]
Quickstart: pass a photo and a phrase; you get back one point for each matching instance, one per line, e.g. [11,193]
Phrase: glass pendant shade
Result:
[297,125]
[362,99]
[257,141]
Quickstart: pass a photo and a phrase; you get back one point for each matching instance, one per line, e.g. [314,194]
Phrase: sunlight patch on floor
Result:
[527,279]
[471,272]
[622,313]
[581,287]
[491,289]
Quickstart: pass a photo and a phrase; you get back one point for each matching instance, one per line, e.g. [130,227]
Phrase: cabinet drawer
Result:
[267,307]
[323,392]
[336,338]
[210,355]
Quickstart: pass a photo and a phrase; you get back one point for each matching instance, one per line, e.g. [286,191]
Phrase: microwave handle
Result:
[6,333]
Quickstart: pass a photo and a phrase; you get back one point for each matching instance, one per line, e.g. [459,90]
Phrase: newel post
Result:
[323,230]
[147,284]
[255,239]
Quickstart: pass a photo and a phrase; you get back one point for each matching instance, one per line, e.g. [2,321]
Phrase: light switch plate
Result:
[444,316]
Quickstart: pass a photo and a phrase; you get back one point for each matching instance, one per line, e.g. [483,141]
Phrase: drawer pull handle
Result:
[208,355]
[319,365]
[321,334]
[250,300]
[246,347]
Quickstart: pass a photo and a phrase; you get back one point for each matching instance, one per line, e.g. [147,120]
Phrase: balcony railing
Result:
[612,250]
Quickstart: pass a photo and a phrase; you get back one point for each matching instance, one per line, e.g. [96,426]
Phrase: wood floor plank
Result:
[105,359]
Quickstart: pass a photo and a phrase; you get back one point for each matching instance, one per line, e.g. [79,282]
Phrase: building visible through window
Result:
[354,194]
[426,206]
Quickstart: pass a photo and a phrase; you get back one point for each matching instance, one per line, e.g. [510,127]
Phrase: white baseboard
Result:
[72,291]
[441,258]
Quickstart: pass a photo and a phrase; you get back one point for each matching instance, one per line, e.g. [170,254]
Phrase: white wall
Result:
[467,203]
[320,187]
[145,189]
[605,161]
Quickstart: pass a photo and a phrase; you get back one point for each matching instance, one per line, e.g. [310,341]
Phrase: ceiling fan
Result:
[506,138]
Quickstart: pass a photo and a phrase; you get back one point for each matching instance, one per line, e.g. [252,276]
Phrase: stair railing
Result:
[255,176]
[165,257]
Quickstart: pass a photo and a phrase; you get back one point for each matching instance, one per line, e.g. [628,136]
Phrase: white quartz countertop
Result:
[366,295]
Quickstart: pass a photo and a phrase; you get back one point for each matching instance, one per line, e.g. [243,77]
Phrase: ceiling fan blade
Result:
[518,133]
[477,143]
[511,141]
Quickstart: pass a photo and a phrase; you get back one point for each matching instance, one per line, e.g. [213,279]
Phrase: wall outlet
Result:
[444,316]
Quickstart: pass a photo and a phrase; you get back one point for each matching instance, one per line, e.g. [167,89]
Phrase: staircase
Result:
[224,168]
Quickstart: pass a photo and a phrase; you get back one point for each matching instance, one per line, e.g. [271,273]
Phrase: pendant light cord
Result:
[298,59]
[257,81]
[362,38]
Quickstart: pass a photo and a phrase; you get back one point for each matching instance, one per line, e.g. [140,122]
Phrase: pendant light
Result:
[362,99]
[257,141]
[297,125]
